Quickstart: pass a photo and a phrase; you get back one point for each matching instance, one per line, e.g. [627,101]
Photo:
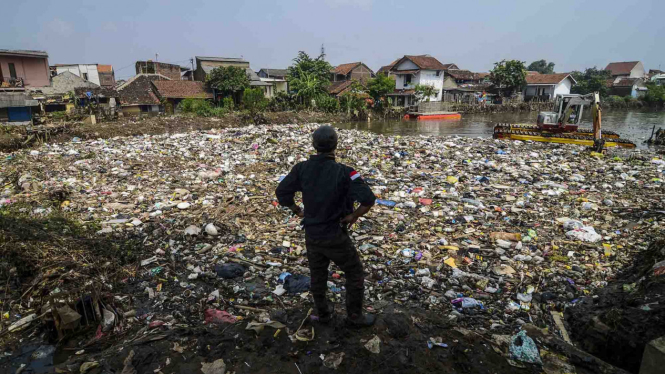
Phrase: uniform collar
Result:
[322,156]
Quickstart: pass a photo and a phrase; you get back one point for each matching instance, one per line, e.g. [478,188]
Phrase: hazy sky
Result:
[473,34]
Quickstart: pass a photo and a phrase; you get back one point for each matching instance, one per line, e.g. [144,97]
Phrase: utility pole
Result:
[191,76]
[323,51]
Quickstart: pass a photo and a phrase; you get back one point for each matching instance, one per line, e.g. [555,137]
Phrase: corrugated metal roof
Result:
[221,59]
[24,52]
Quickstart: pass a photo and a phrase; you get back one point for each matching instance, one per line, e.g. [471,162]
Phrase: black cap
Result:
[324,139]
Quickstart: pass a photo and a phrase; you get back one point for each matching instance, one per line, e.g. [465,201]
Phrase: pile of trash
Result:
[489,234]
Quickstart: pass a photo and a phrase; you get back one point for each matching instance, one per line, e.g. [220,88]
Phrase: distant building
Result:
[56,97]
[88,72]
[175,91]
[410,71]
[277,80]
[547,86]
[630,69]
[204,65]
[272,73]
[106,76]
[351,71]
[170,71]
[634,87]
[21,70]
[342,76]
[138,96]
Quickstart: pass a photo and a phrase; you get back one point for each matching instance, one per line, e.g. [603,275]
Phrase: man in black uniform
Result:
[329,190]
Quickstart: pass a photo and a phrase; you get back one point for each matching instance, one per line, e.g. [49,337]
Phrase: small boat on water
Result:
[433,115]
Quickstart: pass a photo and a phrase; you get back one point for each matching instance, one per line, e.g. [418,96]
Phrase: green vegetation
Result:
[423,91]
[353,100]
[379,87]
[254,101]
[541,66]
[308,78]
[201,107]
[655,95]
[591,80]
[327,104]
[509,75]
[231,81]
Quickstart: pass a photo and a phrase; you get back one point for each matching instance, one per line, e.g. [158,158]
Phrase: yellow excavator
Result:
[562,126]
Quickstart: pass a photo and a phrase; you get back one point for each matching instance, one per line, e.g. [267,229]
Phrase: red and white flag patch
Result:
[355,175]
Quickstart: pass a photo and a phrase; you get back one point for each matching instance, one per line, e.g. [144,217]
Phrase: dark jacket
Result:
[329,190]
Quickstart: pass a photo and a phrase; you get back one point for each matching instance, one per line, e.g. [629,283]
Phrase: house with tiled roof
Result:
[277,80]
[626,69]
[412,70]
[173,92]
[138,96]
[634,87]
[101,75]
[547,86]
[342,76]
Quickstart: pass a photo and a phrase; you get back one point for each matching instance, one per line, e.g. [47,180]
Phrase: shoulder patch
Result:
[354,175]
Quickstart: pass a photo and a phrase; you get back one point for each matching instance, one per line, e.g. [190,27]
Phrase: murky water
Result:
[632,125]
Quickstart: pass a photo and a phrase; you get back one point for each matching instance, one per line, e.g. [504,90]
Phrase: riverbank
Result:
[17,137]
[172,247]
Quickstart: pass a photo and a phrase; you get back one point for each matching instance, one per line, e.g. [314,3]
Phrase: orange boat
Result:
[436,115]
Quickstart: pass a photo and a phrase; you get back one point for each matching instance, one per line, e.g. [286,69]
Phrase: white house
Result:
[88,72]
[628,69]
[547,86]
[410,71]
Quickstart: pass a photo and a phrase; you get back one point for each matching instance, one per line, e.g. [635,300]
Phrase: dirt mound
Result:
[617,322]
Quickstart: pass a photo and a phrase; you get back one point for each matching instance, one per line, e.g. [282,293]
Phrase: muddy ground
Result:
[622,318]
[65,252]
[17,137]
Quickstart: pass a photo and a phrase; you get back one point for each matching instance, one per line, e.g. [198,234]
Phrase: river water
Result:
[632,125]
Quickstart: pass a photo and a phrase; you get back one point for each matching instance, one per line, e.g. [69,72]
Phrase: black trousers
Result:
[342,252]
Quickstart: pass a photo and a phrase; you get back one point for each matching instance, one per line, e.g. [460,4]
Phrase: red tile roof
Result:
[426,62]
[345,69]
[182,89]
[337,88]
[460,74]
[546,78]
[621,68]
[626,82]
[105,68]
[423,62]
[449,66]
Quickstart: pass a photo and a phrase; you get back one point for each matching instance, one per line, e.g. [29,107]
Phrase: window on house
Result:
[12,70]
[438,73]
[407,80]
[85,76]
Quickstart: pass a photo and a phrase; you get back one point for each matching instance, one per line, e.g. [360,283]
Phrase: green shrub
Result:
[327,104]
[282,102]
[228,104]
[254,101]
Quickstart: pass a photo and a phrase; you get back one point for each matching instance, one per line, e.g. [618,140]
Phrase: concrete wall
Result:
[429,78]
[361,73]
[638,71]
[79,70]
[563,88]
[407,65]
[33,70]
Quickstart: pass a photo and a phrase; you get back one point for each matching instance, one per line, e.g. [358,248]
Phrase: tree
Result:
[353,99]
[541,66]
[591,80]
[231,81]
[254,100]
[308,77]
[423,91]
[380,87]
[509,75]
[655,94]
